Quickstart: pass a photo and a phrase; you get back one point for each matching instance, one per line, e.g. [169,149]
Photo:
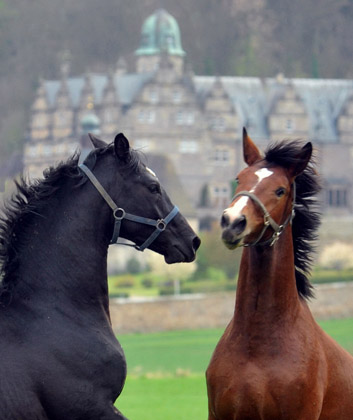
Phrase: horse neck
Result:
[266,291]
[66,251]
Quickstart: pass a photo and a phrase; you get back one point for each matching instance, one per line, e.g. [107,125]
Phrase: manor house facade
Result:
[196,121]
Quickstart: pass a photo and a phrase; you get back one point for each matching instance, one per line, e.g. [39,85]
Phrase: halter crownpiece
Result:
[120,214]
[268,220]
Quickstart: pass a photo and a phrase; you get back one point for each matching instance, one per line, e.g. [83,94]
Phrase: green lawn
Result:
[166,371]
[178,398]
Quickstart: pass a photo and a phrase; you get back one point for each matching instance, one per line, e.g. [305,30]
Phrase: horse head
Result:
[264,200]
[142,212]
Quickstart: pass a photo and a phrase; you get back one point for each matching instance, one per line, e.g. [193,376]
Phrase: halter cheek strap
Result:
[120,214]
[268,220]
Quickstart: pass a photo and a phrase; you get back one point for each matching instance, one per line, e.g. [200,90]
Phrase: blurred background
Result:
[181,79]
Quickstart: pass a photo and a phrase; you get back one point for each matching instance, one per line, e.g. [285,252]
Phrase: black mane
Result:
[307,218]
[17,212]
[28,202]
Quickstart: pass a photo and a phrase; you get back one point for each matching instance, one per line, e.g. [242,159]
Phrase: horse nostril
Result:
[225,220]
[196,242]
[239,225]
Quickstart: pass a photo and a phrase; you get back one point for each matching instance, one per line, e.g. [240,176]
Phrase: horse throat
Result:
[266,291]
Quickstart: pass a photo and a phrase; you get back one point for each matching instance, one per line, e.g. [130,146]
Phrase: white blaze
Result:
[237,209]
[262,174]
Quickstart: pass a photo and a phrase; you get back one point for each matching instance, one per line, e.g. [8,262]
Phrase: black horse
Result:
[59,358]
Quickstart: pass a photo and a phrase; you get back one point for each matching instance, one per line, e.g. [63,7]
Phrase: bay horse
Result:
[273,361]
[59,357]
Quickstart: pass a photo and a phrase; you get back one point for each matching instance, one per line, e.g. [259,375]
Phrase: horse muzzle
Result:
[233,231]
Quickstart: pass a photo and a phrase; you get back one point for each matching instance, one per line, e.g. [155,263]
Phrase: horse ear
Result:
[122,147]
[303,159]
[250,150]
[97,143]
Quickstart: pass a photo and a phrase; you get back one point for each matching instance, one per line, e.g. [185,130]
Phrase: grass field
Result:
[166,371]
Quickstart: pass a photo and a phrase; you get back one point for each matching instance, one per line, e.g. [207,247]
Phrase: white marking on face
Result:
[261,175]
[237,209]
[151,172]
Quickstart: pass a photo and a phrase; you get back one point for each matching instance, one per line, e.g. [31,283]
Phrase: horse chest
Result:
[244,388]
[99,357]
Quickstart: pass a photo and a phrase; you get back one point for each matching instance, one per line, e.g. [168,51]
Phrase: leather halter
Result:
[268,221]
[120,214]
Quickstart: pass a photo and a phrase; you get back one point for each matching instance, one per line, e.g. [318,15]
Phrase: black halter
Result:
[120,214]
[268,221]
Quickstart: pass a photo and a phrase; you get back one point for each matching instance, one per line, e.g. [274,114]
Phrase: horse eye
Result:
[280,192]
[154,188]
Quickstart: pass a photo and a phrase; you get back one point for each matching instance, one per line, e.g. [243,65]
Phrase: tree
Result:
[213,253]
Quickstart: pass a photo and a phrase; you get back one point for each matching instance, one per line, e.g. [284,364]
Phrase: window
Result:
[176,96]
[148,116]
[32,151]
[221,196]
[47,150]
[141,116]
[337,197]
[289,125]
[185,118]
[153,96]
[188,146]
[218,124]
[221,156]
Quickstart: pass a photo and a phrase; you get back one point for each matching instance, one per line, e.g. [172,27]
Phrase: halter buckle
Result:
[267,219]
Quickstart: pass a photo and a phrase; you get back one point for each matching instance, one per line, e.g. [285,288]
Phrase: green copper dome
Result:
[160,33]
[90,123]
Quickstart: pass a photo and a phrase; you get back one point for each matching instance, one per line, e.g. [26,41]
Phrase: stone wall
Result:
[213,310]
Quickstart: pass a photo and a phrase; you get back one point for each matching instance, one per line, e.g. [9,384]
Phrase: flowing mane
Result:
[18,212]
[28,202]
[307,218]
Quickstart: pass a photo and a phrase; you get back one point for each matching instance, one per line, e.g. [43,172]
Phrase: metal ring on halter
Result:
[123,213]
[161,225]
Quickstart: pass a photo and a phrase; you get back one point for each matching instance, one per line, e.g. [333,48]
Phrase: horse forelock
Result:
[307,217]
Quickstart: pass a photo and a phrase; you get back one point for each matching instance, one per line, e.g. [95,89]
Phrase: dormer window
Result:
[153,96]
[289,125]
[337,197]
[176,96]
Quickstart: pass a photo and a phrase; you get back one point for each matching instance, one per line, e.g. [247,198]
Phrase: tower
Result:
[160,35]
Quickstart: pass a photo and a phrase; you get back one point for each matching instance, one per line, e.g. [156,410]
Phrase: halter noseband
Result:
[268,221]
[120,214]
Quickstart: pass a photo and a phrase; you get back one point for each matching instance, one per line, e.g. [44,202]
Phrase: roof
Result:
[252,98]
[127,87]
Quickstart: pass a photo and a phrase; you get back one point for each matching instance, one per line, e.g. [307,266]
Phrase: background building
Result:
[196,121]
